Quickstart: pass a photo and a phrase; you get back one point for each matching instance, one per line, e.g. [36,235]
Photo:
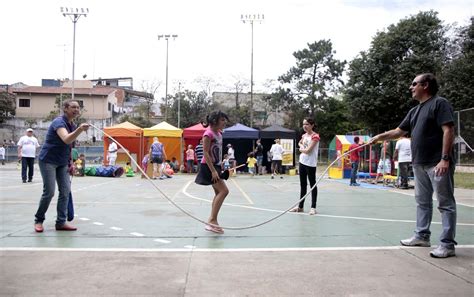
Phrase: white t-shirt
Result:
[112,149]
[28,146]
[404,150]
[277,152]
[2,153]
[230,153]
[311,158]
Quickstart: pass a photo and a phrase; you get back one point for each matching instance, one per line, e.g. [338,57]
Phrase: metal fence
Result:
[464,145]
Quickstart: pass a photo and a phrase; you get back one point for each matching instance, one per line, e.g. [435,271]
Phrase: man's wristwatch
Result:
[445,157]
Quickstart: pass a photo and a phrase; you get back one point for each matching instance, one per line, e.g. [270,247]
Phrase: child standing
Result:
[190,158]
[145,161]
[226,162]
[251,161]
[211,166]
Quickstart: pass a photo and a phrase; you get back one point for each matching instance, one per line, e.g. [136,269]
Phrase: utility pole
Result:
[74,14]
[250,19]
[167,37]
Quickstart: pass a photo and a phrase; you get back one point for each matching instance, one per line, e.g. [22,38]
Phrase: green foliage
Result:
[457,83]
[194,107]
[377,90]
[7,106]
[316,74]
[139,121]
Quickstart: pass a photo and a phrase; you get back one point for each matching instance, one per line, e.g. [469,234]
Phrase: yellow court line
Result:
[242,191]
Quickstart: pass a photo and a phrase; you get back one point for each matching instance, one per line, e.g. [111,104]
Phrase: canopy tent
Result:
[269,134]
[193,134]
[242,139]
[240,131]
[167,134]
[128,135]
[276,131]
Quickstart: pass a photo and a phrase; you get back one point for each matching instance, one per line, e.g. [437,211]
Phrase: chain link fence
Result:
[464,143]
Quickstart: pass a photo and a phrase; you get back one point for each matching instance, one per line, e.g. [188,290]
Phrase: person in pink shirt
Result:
[190,157]
[211,166]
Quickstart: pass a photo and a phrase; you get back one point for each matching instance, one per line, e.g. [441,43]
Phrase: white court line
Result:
[137,234]
[20,186]
[161,240]
[116,228]
[190,246]
[98,223]
[318,215]
[84,219]
[242,191]
[92,186]
[413,195]
[207,250]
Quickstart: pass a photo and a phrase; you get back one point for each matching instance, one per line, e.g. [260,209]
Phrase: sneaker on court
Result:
[442,252]
[162,177]
[312,211]
[296,209]
[413,241]
[356,185]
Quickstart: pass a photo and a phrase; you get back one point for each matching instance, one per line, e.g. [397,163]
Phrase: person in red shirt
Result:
[354,156]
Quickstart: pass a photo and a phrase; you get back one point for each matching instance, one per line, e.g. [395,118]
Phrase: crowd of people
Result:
[429,150]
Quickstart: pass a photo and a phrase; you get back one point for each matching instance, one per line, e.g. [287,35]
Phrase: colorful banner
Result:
[288,148]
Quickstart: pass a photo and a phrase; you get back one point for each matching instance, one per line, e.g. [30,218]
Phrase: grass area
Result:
[464,180]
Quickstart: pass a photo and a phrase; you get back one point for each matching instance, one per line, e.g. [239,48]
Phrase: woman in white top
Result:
[277,156]
[309,147]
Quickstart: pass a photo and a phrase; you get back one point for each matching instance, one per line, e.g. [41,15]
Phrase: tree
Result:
[58,102]
[7,106]
[457,83]
[194,107]
[377,90]
[316,74]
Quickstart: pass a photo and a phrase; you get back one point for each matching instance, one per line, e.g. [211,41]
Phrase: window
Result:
[24,103]
[109,106]
[81,103]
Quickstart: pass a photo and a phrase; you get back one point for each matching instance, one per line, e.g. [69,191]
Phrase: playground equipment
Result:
[338,146]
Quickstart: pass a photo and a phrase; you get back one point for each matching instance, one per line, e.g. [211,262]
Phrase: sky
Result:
[120,38]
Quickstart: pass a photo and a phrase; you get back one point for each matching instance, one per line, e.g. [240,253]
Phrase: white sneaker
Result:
[312,211]
[413,241]
[442,252]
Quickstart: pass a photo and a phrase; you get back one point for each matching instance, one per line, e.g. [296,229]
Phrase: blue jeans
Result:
[355,168]
[425,185]
[54,173]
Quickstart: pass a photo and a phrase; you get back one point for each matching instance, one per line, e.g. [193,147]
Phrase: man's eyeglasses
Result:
[413,84]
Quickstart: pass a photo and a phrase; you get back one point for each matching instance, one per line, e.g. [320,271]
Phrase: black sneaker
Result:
[24,181]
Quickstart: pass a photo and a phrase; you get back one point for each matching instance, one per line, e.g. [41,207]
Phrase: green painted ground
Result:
[130,213]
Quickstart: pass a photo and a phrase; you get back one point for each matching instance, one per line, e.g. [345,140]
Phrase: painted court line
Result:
[98,223]
[116,228]
[242,191]
[207,250]
[84,219]
[318,215]
[137,234]
[161,240]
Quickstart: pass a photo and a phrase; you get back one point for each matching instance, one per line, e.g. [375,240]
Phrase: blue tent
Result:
[239,131]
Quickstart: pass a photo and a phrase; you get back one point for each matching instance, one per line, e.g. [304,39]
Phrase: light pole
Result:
[74,14]
[251,18]
[167,37]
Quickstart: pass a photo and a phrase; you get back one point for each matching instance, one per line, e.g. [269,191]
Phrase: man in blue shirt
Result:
[431,126]
[54,160]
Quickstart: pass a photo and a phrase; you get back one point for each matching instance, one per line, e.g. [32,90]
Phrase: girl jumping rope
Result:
[211,166]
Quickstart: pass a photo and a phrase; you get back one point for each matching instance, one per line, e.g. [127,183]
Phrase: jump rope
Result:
[220,226]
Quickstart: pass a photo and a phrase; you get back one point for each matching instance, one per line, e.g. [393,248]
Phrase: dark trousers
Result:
[27,164]
[403,167]
[307,172]
[355,169]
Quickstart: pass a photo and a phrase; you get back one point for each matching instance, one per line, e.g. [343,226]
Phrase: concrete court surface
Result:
[133,242]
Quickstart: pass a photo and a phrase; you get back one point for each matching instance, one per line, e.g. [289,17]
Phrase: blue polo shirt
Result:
[54,150]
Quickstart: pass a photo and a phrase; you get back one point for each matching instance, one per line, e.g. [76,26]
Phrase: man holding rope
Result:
[431,126]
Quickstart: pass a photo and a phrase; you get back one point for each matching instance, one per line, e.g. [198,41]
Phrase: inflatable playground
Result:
[376,161]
